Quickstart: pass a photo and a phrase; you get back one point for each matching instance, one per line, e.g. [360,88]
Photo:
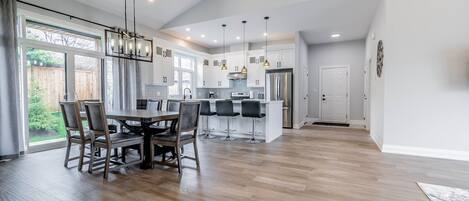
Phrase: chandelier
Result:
[125,44]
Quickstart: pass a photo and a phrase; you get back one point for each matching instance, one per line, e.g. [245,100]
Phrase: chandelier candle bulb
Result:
[112,44]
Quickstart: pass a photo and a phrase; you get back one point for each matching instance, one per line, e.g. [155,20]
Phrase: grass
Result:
[59,130]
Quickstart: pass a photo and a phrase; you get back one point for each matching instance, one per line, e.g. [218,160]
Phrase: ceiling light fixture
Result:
[223,65]
[336,35]
[151,1]
[188,38]
[125,44]
[203,35]
[238,38]
[215,41]
[188,29]
[266,61]
[244,70]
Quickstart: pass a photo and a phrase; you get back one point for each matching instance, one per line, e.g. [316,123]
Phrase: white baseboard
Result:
[426,152]
[377,142]
[311,120]
[357,123]
[299,125]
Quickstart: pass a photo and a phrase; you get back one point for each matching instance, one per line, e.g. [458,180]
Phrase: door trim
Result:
[347,67]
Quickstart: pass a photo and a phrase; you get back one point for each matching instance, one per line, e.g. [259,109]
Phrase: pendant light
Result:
[244,70]
[266,61]
[223,65]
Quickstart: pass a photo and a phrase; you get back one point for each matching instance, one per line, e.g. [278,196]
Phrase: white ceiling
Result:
[315,19]
[152,14]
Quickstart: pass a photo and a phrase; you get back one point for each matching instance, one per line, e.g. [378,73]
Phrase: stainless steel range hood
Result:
[237,76]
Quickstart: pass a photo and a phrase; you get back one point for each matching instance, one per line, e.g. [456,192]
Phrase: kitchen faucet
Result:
[190,93]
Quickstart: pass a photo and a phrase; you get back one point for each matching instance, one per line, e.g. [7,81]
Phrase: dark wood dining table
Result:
[146,119]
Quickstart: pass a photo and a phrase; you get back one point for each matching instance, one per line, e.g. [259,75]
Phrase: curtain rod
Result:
[65,14]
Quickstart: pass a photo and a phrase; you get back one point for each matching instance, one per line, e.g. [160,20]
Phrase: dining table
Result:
[146,119]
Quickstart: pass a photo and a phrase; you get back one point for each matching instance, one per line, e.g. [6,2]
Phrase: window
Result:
[60,36]
[183,75]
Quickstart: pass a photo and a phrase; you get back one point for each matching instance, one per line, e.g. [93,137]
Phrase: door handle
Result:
[323,99]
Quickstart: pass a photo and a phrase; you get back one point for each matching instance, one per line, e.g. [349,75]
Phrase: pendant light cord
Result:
[125,14]
[224,45]
[244,43]
[266,35]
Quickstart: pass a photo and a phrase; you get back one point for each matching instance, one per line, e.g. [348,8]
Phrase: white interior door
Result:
[366,95]
[334,94]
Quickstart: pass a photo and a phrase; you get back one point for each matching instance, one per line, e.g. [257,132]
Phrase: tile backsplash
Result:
[236,86]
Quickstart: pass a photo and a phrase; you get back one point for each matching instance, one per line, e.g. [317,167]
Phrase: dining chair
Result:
[102,139]
[184,133]
[75,132]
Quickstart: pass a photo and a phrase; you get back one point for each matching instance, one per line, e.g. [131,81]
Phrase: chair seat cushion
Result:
[76,135]
[234,114]
[208,114]
[120,137]
[171,137]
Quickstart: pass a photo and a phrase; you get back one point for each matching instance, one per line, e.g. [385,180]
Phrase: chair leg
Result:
[196,153]
[93,153]
[67,153]
[82,155]
[228,136]
[152,151]
[142,155]
[253,136]
[108,161]
[124,153]
[178,156]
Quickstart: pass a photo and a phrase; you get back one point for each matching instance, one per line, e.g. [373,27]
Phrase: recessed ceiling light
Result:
[265,34]
[188,38]
[151,1]
[188,29]
[215,41]
[335,35]
[238,38]
[203,35]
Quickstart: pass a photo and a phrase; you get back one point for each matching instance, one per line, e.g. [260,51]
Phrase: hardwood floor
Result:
[315,163]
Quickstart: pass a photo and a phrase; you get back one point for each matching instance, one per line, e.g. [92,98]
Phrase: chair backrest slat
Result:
[142,104]
[188,120]
[97,120]
[224,107]
[71,116]
[154,105]
[173,105]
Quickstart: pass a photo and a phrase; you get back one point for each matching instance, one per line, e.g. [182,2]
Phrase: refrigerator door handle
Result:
[278,88]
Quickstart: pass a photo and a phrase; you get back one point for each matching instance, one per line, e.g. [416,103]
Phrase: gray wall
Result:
[341,53]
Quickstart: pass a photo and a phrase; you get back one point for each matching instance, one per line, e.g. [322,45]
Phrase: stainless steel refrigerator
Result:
[279,86]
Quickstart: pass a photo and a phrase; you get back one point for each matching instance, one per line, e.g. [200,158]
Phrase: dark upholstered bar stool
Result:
[225,109]
[207,113]
[252,109]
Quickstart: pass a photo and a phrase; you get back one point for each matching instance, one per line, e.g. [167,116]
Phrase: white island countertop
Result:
[263,101]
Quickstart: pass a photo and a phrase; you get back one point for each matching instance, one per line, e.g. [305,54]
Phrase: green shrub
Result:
[40,118]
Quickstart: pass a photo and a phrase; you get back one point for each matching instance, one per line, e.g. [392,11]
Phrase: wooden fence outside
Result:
[51,81]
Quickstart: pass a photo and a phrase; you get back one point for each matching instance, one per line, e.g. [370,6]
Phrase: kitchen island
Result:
[268,128]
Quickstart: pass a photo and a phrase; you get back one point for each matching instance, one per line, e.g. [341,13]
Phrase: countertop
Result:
[263,101]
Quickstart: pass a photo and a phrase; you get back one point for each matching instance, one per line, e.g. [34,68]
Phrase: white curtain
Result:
[127,84]
[10,136]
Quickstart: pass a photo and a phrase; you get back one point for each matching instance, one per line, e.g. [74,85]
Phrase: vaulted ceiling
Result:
[190,19]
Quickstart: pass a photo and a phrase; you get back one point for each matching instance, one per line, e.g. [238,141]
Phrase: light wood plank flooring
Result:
[315,163]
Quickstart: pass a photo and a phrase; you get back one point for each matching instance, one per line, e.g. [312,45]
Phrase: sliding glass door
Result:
[47,85]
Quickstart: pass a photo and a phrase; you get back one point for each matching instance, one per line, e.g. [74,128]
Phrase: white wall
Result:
[300,82]
[427,81]
[376,94]
[421,105]
[350,53]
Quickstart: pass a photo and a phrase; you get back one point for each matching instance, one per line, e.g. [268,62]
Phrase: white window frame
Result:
[70,53]
[180,70]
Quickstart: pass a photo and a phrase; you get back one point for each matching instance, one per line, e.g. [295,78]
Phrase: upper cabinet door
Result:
[287,58]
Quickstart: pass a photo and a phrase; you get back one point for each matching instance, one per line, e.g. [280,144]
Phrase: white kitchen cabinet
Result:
[235,62]
[281,58]
[256,71]
[163,69]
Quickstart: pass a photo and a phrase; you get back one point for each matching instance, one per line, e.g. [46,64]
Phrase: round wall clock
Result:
[380,58]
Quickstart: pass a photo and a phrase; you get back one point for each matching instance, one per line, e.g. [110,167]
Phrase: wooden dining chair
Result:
[98,127]
[75,132]
[185,133]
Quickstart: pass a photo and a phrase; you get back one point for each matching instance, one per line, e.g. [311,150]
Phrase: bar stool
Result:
[207,113]
[225,109]
[252,109]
